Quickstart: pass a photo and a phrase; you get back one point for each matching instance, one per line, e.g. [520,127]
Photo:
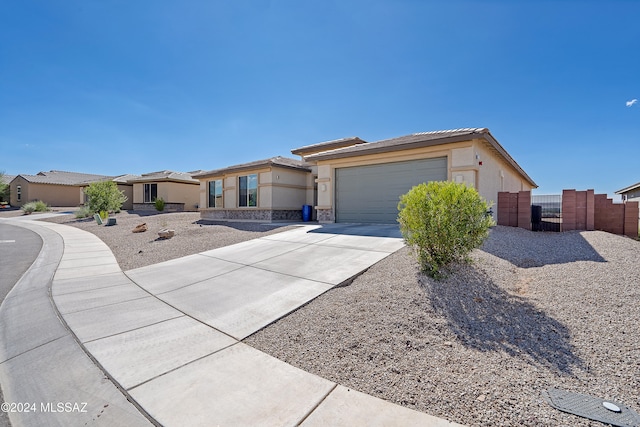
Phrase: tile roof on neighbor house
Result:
[328,145]
[422,139]
[6,179]
[278,161]
[629,188]
[63,178]
[166,176]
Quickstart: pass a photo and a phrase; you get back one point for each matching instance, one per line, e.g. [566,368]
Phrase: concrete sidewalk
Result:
[168,335]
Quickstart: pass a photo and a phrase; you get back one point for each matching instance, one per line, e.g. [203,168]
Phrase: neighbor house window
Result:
[19,192]
[150,193]
[248,190]
[215,193]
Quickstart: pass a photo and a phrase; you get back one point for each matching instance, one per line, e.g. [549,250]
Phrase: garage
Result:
[370,194]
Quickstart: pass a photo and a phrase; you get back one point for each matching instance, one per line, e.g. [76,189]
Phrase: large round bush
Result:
[442,222]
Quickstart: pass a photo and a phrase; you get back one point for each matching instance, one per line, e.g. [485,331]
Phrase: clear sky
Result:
[120,86]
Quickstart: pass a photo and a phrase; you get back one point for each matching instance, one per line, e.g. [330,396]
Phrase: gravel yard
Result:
[133,250]
[532,311]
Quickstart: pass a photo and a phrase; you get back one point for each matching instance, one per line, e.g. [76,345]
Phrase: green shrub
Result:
[104,215]
[83,212]
[159,202]
[41,206]
[104,196]
[442,222]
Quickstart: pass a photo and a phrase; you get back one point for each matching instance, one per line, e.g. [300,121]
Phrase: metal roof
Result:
[328,145]
[422,139]
[278,161]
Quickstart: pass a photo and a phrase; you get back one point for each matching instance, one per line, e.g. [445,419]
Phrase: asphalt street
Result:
[19,247]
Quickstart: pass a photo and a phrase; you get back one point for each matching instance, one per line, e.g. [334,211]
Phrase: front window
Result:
[248,190]
[19,192]
[150,193]
[215,193]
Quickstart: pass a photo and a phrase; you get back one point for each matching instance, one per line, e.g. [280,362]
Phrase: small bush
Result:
[83,212]
[104,215]
[442,222]
[41,206]
[159,202]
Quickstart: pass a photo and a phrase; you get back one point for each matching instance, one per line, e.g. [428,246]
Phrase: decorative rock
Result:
[166,233]
[140,228]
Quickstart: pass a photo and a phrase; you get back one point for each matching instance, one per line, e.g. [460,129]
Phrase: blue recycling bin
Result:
[306,213]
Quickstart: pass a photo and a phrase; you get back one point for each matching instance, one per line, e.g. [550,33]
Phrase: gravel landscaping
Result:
[533,311]
[133,250]
[530,312]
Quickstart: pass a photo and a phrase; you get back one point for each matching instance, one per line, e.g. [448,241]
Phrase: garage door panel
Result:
[371,193]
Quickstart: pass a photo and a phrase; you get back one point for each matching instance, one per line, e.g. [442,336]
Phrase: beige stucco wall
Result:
[278,188]
[496,175]
[171,192]
[51,194]
[127,190]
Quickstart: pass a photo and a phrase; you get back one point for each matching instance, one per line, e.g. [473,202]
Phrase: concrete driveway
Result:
[169,335]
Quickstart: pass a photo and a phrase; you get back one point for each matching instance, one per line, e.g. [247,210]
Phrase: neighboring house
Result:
[265,190]
[351,180]
[179,191]
[630,193]
[55,188]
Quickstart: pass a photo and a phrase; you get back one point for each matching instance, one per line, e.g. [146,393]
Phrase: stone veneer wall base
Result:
[267,215]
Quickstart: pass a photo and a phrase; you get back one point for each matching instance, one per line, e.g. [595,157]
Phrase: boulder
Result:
[166,233]
[140,228]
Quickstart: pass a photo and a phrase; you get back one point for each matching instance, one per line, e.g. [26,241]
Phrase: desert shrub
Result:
[104,196]
[159,202]
[83,212]
[29,208]
[442,222]
[104,215]
[41,206]
[36,206]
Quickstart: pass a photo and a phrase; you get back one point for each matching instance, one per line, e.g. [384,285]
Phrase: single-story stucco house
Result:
[352,180]
[179,191]
[55,188]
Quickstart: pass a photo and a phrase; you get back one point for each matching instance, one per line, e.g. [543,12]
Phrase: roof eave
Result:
[234,169]
[627,189]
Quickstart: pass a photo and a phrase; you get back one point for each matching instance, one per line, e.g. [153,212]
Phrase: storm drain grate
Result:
[593,408]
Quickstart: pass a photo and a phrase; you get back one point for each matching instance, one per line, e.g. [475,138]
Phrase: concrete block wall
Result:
[581,210]
[631,215]
[514,209]
[578,210]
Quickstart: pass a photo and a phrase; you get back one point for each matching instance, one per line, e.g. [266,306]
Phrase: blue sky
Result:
[114,87]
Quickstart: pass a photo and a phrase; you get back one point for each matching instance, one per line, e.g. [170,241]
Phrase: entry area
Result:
[370,194]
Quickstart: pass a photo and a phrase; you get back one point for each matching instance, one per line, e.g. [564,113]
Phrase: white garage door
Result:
[370,194]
